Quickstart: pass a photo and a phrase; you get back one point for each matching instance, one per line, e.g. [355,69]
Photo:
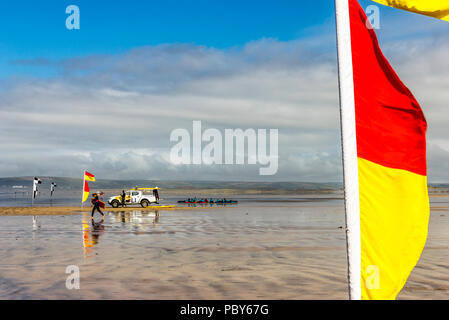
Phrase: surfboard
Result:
[163,206]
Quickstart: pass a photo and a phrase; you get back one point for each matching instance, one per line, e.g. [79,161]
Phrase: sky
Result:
[107,96]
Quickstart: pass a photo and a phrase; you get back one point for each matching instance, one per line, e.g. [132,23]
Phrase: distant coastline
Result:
[206,188]
[214,187]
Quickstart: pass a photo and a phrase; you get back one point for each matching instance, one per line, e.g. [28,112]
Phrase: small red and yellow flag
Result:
[434,8]
[87,177]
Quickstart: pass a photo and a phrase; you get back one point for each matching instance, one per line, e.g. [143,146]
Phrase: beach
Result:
[253,250]
[72,210]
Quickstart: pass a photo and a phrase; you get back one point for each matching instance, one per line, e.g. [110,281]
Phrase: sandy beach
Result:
[294,250]
[71,210]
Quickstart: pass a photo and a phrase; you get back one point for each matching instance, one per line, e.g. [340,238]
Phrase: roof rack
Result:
[143,189]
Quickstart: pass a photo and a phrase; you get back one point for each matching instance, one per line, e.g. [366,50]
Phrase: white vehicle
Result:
[136,196]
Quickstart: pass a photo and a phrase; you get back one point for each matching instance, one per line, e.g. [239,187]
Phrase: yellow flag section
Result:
[394,206]
[434,8]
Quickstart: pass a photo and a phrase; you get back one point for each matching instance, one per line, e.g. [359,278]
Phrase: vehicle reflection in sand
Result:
[138,220]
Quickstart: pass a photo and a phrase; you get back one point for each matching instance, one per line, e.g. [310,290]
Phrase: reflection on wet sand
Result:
[36,223]
[250,251]
[91,233]
[136,218]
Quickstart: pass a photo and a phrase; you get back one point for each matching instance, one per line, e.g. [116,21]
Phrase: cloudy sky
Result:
[106,97]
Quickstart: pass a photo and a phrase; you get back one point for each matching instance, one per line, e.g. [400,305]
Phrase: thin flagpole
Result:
[32,195]
[82,192]
[349,147]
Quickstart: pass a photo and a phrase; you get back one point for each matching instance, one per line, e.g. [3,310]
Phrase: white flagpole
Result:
[82,192]
[349,145]
[32,194]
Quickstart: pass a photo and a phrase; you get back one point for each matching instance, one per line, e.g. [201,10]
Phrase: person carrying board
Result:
[96,206]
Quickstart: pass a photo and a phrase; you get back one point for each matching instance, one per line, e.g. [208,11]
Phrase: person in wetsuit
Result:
[96,206]
[123,197]
[156,195]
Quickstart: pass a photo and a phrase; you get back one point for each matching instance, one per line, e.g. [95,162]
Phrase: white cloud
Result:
[114,114]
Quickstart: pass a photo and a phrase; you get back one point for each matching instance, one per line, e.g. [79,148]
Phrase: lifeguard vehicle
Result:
[136,196]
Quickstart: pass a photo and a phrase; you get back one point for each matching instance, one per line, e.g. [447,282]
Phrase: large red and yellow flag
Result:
[434,8]
[384,146]
[87,177]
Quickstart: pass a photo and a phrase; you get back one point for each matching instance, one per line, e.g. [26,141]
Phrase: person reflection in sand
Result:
[36,223]
[91,235]
[156,218]
[97,231]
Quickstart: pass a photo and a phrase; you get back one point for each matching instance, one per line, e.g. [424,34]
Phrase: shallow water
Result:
[294,250]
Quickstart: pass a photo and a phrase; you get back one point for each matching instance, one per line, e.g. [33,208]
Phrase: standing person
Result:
[96,206]
[156,195]
[123,198]
[52,188]
[36,181]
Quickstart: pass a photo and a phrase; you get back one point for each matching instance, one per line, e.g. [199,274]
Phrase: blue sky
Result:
[106,97]
[115,25]
[35,29]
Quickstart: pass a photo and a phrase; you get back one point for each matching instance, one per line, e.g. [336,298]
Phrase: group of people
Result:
[211,200]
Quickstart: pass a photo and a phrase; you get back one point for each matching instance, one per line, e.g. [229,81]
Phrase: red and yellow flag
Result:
[87,177]
[434,8]
[384,139]
[391,151]
[86,191]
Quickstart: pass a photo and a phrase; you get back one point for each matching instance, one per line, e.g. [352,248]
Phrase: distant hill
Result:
[6,184]
[439,185]
[73,186]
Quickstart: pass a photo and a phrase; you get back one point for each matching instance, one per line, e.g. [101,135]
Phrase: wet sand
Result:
[249,251]
[56,211]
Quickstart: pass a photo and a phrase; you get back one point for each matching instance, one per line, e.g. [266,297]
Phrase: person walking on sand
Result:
[96,206]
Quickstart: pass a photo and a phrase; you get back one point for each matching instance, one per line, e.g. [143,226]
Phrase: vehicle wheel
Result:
[115,203]
[144,203]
